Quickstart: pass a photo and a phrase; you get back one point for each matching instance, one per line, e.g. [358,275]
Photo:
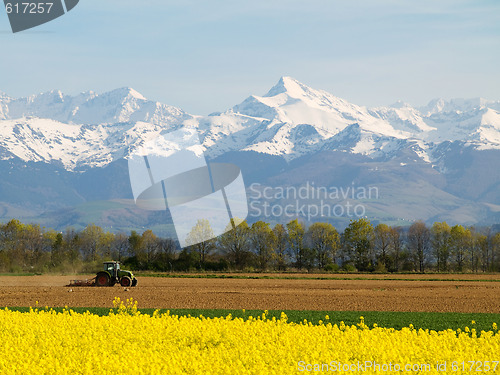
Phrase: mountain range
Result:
[63,158]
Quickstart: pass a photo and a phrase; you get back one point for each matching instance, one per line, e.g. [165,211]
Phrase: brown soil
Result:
[271,294]
[367,276]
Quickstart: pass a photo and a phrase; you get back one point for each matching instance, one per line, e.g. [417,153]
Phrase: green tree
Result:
[357,241]
[263,241]
[32,242]
[461,241]
[201,239]
[440,239]
[135,242]
[479,244]
[90,241]
[106,241]
[495,252]
[138,256]
[324,240]
[12,246]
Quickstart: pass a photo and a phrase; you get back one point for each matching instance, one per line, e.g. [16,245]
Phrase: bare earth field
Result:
[368,276]
[271,294]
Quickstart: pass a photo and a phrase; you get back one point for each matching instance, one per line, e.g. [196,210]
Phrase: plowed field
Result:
[272,294]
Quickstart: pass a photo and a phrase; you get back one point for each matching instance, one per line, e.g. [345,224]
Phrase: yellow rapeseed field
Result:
[127,342]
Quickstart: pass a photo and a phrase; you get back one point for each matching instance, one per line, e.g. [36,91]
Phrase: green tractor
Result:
[112,274]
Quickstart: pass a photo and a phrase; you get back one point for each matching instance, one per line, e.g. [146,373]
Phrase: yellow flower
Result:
[49,342]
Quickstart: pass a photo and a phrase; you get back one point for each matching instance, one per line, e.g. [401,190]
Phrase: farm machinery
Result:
[109,276]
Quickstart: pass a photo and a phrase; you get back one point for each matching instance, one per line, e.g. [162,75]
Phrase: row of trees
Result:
[361,246]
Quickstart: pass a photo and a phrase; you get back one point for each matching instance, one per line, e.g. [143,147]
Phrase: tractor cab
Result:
[112,268]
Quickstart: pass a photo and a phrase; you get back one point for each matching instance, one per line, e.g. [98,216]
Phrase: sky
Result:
[207,56]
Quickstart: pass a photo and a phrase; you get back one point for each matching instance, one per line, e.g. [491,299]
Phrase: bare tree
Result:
[281,242]
[382,243]
[419,244]
[296,232]
[396,238]
[120,246]
[235,245]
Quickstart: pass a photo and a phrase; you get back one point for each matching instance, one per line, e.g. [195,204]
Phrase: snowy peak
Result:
[288,90]
[291,120]
[434,106]
[295,103]
[51,105]
[399,105]
[88,108]
[402,117]
[457,105]
[289,86]
[125,94]
[131,93]
[475,122]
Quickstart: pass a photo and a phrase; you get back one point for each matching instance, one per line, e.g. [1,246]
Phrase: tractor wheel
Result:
[125,281]
[134,282]
[102,279]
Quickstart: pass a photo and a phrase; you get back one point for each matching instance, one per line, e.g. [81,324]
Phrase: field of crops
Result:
[198,339]
[125,341]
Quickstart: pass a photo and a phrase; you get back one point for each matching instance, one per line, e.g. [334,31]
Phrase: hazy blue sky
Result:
[210,55]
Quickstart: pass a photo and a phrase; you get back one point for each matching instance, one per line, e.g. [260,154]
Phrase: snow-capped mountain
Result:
[89,108]
[438,162]
[291,120]
[87,130]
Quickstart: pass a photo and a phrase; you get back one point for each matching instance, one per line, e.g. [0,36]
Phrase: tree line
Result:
[293,246]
